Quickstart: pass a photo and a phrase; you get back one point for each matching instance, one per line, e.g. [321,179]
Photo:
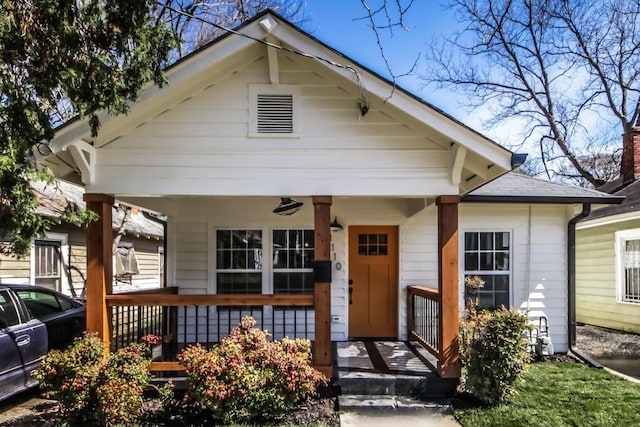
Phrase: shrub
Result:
[91,387]
[493,352]
[69,375]
[246,376]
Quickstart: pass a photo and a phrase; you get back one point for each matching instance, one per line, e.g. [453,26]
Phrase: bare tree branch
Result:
[555,64]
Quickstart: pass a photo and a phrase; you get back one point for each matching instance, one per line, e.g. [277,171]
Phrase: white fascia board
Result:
[499,156]
[627,216]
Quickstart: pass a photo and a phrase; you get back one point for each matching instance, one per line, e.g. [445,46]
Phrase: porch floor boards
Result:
[379,359]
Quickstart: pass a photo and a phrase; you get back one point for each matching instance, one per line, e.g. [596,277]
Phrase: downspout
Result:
[571,306]
[163,223]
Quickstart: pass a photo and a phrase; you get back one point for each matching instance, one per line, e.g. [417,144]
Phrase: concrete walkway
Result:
[400,420]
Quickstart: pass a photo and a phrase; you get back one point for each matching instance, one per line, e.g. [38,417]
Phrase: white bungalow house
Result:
[376,243]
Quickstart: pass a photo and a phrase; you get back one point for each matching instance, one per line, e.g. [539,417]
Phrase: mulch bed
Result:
[313,412]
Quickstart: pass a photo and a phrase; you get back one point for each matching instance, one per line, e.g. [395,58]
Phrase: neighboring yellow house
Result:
[608,252]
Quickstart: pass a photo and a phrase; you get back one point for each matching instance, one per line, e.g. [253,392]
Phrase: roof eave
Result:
[610,200]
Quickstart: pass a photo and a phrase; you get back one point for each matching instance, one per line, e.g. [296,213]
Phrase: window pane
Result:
[471,261]
[373,238]
[502,240]
[309,236]
[502,261]
[239,260]
[501,298]
[382,238]
[486,261]
[486,241]
[501,283]
[40,304]
[471,241]
[223,260]
[362,239]
[292,283]
[224,239]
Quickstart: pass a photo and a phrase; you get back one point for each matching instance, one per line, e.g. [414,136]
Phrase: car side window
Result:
[39,303]
[8,314]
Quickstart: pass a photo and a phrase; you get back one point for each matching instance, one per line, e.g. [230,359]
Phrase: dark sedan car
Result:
[33,320]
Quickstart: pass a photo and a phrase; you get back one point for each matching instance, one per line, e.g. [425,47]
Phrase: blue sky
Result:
[335,23]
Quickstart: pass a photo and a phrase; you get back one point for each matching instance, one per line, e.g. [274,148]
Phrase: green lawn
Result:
[563,394]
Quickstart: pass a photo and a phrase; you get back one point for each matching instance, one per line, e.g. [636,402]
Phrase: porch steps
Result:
[394,368]
[385,378]
[397,404]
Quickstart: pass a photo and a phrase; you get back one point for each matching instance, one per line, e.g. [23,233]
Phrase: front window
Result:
[487,255]
[628,261]
[293,253]
[239,261]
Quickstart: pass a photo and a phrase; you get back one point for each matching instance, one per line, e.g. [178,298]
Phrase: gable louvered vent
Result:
[275,113]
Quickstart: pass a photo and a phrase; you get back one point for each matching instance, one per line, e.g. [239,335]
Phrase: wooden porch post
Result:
[322,278]
[449,361]
[99,266]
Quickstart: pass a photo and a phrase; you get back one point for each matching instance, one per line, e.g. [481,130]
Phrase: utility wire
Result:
[364,107]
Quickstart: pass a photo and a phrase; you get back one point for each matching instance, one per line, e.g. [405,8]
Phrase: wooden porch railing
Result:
[188,319]
[435,326]
[423,318]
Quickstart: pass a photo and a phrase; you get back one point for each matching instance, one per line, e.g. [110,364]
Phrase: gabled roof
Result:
[485,159]
[517,188]
[630,205]
[53,199]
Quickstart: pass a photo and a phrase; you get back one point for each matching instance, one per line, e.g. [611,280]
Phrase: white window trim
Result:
[267,252]
[64,250]
[620,238]
[461,269]
[278,89]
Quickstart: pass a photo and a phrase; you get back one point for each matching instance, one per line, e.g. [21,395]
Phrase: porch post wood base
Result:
[449,360]
[327,370]
[322,290]
[99,266]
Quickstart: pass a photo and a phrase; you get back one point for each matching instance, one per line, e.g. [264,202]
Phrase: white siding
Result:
[539,276]
[539,265]
[201,146]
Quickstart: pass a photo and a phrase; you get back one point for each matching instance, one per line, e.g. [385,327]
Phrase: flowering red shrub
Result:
[246,376]
[96,389]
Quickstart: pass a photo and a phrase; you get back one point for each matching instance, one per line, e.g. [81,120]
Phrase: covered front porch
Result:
[428,316]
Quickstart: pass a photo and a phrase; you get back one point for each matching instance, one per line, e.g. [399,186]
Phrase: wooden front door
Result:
[373,281]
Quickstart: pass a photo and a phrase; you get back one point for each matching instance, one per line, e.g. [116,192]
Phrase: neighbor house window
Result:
[239,261]
[293,255]
[628,265]
[487,254]
[125,260]
[273,110]
[47,263]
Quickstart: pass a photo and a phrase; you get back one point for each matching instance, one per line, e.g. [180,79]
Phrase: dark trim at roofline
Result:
[367,69]
[611,200]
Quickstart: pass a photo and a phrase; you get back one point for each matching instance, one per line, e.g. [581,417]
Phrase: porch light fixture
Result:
[287,206]
[335,225]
